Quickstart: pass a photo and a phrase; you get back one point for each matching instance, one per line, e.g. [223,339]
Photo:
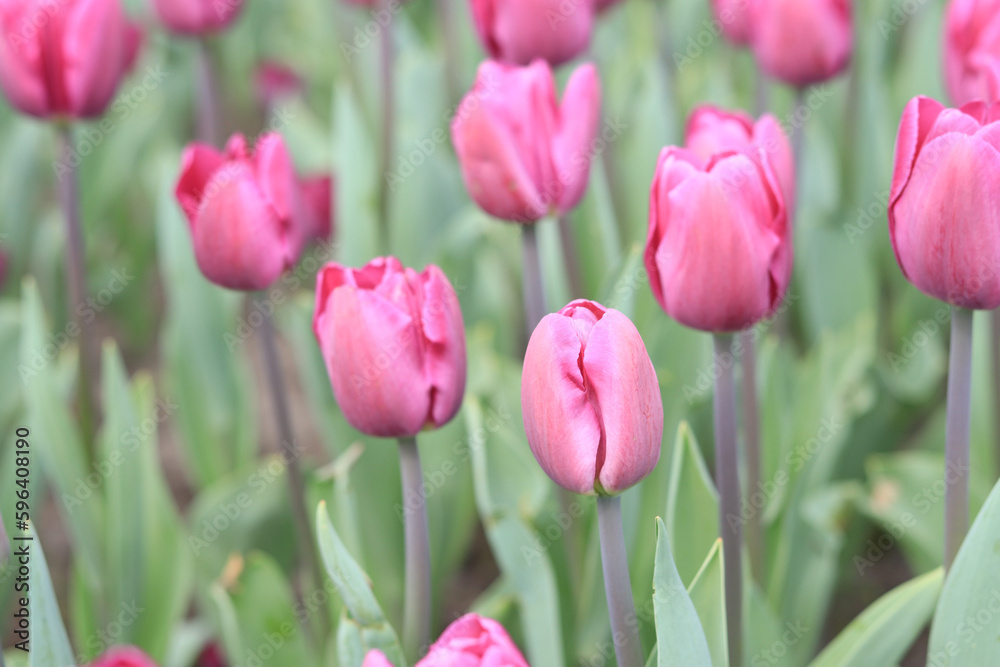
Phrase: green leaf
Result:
[966,628]
[884,632]
[692,505]
[708,594]
[49,642]
[678,629]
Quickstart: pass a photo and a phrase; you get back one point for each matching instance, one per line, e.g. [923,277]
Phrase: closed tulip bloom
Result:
[521,31]
[801,42]
[196,17]
[972,50]
[523,154]
[591,400]
[734,20]
[474,641]
[123,656]
[944,218]
[376,658]
[244,210]
[317,197]
[711,130]
[394,345]
[64,59]
[718,249]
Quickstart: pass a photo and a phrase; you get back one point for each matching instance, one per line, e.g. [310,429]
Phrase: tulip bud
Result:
[245,211]
[972,51]
[473,641]
[591,400]
[64,59]
[718,251]
[394,345]
[197,17]
[734,20]
[711,130]
[521,31]
[802,42]
[123,656]
[523,155]
[943,215]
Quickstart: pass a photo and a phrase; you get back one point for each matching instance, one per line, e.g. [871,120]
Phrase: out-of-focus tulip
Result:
[211,656]
[474,641]
[734,20]
[521,31]
[972,51]
[123,656]
[944,220]
[394,345]
[64,59]
[711,130]
[245,211]
[196,17]
[523,155]
[376,658]
[718,251]
[604,5]
[274,82]
[317,197]
[801,42]
[591,400]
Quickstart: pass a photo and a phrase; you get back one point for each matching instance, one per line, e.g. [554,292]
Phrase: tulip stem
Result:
[452,53]
[208,95]
[571,257]
[76,278]
[995,348]
[617,584]
[956,454]
[417,605]
[388,130]
[727,477]
[290,453]
[756,546]
[534,290]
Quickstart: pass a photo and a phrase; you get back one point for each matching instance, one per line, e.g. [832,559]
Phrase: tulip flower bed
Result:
[459,333]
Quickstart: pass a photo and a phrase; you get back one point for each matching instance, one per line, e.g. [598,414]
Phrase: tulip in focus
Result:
[64,59]
[521,31]
[471,641]
[734,20]
[972,50]
[718,251]
[245,211]
[944,217]
[591,400]
[197,17]
[123,656]
[394,345]
[801,42]
[523,154]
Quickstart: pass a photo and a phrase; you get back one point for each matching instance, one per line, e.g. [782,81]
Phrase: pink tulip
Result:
[245,211]
[591,401]
[734,20]
[317,197]
[718,251]
[376,658]
[123,656]
[274,82]
[711,130]
[394,345]
[944,216]
[523,155]
[66,58]
[197,17]
[802,42]
[521,31]
[972,51]
[473,641]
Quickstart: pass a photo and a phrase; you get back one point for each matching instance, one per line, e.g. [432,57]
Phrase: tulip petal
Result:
[279,185]
[21,60]
[376,658]
[444,332]
[198,164]
[572,146]
[95,42]
[918,119]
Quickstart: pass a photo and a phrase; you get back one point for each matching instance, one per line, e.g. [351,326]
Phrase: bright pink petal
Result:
[95,52]
[572,146]
[198,164]
[444,331]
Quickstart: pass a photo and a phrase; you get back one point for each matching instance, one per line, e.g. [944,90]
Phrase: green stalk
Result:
[617,584]
[417,604]
[956,495]
[756,546]
[208,95]
[534,290]
[388,81]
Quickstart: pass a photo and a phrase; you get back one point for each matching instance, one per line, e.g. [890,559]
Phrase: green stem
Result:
[452,53]
[956,495]
[995,353]
[417,605]
[727,478]
[756,546]
[534,290]
[617,584]
[208,95]
[388,131]
[571,257]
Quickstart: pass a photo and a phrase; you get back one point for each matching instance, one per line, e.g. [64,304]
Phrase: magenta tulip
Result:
[376,658]
[523,155]
[317,197]
[64,59]
[734,20]
[474,641]
[711,130]
[801,42]
[274,82]
[521,31]
[197,17]
[591,401]
[718,251]
[394,345]
[123,656]
[245,211]
[972,51]
[944,218]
